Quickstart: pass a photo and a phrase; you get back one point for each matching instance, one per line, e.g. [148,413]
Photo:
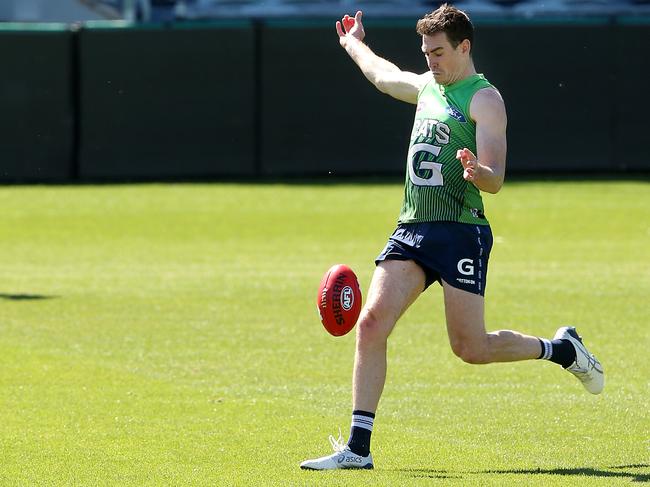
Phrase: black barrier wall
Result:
[629,97]
[316,114]
[558,95]
[319,113]
[575,91]
[281,98]
[163,102]
[36,93]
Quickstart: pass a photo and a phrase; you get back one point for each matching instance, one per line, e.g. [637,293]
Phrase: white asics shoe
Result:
[342,457]
[586,367]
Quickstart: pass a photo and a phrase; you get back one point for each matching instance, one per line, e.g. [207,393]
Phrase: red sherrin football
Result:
[339,300]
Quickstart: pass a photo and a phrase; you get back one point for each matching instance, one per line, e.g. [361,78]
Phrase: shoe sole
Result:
[370,466]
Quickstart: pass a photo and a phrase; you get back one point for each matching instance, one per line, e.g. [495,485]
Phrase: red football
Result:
[339,300]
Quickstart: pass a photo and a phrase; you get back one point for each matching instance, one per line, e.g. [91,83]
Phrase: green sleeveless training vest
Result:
[435,189]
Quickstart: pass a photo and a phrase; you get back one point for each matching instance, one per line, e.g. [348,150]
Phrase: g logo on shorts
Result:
[466,267]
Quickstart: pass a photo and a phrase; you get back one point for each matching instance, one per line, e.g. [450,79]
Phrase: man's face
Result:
[445,62]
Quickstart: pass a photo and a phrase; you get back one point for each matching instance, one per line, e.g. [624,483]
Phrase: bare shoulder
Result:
[424,78]
[488,95]
[487,105]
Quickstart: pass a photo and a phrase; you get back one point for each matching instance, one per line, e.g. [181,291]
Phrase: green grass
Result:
[168,335]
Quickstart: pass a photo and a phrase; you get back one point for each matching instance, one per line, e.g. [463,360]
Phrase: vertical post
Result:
[129,10]
[145,7]
[258,26]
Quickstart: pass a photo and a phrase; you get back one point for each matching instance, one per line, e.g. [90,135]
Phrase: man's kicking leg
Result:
[395,285]
[470,341]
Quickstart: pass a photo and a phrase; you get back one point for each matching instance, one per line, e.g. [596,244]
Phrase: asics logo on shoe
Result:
[592,363]
[353,459]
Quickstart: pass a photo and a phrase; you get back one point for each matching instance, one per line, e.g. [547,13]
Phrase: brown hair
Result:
[448,19]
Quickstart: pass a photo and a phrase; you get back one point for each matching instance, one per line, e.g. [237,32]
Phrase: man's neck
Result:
[468,71]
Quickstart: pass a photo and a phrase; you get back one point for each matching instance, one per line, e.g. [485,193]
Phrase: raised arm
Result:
[387,77]
[486,170]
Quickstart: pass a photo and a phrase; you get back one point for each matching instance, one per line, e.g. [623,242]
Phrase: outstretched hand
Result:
[350,27]
[469,162]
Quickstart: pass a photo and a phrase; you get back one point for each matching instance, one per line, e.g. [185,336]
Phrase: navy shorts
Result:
[455,252]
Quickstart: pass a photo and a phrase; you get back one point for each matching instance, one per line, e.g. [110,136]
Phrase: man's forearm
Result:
[370,64]
[487,178]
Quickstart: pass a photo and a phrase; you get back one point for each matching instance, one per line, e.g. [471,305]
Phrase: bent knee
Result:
[371,327]
[471,353]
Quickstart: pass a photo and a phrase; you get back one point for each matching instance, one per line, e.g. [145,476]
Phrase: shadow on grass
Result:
[620,471]
[25,297]
[430,473]
[584,472]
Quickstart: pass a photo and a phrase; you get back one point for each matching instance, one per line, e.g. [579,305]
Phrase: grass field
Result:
[168,335]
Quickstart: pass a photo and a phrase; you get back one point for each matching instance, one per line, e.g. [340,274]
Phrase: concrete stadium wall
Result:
[281,98]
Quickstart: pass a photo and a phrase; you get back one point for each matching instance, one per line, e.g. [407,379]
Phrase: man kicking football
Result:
[457,150]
